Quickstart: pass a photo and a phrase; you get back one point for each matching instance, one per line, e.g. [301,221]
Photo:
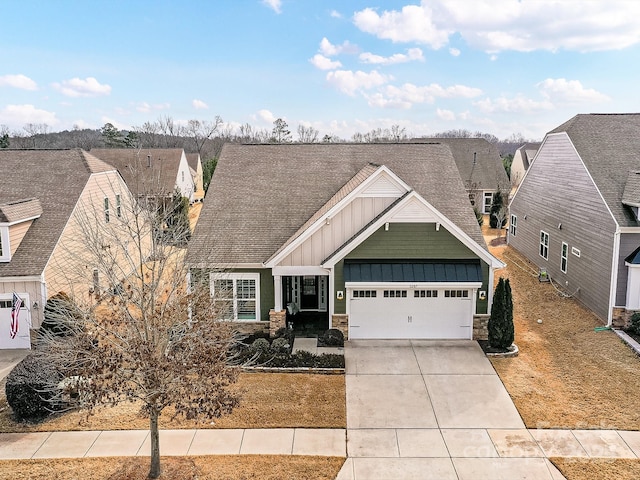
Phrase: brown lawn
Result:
[269,400]
[598,469]
[233,467]
[567,375]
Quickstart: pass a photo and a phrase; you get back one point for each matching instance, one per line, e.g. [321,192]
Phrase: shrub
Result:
[495,211]
[259,346]
[32,388]
[59,314]
[500,327]
[331,338]
[285,333]
[634,327]
[479,216]
[280,345]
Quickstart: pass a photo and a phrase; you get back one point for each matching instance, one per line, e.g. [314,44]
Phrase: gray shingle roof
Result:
[631,193]
[488,171]
[158,178]
[192,160]
[527,152]
[261,195]
[56,178]
[18,210]
[609,145]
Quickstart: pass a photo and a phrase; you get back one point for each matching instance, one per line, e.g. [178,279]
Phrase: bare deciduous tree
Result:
[201,131]
[307,134]
[142,336]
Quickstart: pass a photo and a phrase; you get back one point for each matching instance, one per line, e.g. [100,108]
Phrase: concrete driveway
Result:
[9,359]
[432,410]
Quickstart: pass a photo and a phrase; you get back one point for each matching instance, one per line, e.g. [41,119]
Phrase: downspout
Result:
[614,276]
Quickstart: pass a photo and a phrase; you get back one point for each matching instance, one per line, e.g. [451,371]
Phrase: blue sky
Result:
[496,66]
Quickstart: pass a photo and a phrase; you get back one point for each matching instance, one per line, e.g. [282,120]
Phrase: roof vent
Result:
[148,160]
[474,158]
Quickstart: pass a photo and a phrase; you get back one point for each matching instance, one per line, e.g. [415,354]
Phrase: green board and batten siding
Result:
[405,241]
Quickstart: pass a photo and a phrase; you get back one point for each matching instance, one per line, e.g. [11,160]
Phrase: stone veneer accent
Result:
[341,322]
[621,317]
[480,327]
[277,320]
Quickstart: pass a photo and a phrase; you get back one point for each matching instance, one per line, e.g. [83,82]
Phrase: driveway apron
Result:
[426,409]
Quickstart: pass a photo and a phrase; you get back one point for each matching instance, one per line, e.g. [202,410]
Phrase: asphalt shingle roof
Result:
[56,178]
[158,167]
[609,146]
[261,195]
[528,151]
[20,210]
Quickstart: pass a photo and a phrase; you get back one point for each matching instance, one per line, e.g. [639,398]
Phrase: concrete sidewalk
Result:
[117,443]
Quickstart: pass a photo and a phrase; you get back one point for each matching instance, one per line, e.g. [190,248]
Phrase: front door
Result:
[309,296]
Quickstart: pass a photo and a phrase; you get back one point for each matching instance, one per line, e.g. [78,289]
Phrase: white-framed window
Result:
[107,213]
[237,295]
[513,225]
[544,244]
[118,206]
[5,251]
[575,251]
[395,294]
[365,294]
[456,293]
[488,200]
[425,293]
[563,257]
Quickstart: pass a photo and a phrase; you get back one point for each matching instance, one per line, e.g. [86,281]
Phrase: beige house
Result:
[195,166]
[522,159]
[44,194]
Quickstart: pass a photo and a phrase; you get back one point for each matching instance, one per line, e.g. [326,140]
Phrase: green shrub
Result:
[331,338]
[634,326]
[32,388]
[259,346]
[280,345]
[500,326]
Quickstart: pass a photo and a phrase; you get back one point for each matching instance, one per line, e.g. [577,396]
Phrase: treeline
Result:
[206,137]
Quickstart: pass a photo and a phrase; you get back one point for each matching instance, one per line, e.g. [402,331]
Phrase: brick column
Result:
[277,320]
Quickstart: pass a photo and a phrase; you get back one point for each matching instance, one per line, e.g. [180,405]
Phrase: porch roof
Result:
[413,271]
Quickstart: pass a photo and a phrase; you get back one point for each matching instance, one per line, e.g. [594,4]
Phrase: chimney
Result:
[149,160]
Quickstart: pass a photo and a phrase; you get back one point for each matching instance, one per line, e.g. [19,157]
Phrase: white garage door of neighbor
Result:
[409,313]
[22,339]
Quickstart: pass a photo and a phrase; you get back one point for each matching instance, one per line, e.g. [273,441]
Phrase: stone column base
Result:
[480,327]
[277,320]
[341,322]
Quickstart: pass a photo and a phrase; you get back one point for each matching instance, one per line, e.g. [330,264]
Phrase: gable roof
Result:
[609,146]
[264,193]
[56,178]
[158,167]
[192,160]
[527,152]
[487,173]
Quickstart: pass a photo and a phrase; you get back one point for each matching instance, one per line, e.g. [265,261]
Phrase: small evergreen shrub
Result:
[31,388]
[634,326]
[259,346]
[331,338]
[280,345]
[500,326]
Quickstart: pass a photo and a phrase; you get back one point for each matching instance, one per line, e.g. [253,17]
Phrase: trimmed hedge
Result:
[31,387]
[331,338]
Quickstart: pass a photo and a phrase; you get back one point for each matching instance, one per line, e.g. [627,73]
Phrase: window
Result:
[5,248]
[513,225]
[183,175]
[456,293]
[544,244]
[118,206]
[237,295]
[6,304]
[364,294]
[106,210]
[575,251]
[425,293]
[563,257]
[488,200]
[395,294]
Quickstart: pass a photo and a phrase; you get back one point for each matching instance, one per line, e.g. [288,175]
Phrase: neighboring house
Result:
[151,171]
[575,213]
[378,239]
[40,192]
[522,159]
[195,166]
[481,169]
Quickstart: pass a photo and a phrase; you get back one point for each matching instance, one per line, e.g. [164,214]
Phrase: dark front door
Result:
[309,297]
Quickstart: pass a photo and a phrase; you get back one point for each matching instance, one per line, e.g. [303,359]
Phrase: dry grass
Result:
[598,468]
[233,467]
[194,214]
[567,375]
[269,400]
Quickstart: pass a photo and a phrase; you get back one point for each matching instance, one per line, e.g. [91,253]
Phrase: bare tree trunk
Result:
[154,471]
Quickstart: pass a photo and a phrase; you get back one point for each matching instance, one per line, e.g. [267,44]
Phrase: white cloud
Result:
[335,14]
[324,63]
[560,90]
[199,105]
[145,107]
[18,81]
[350,82]
[412,24]
[17,115]
[330,50]
[501,25]
[264,116]
[275,5]
[119,125]
[517,104]
[446,115]
[408,94]
[77,87]
[454,51]
[413,54]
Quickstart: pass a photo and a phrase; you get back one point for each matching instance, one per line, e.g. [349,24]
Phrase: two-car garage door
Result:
[392,312]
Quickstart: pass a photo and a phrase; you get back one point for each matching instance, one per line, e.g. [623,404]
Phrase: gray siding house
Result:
[378,240]
[575,212]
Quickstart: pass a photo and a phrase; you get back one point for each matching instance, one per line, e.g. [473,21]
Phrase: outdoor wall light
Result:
[339,294]
[482,295]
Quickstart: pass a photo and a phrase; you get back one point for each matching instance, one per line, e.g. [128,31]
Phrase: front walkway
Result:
[437,410]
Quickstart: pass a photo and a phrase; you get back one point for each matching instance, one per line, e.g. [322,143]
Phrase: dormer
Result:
[15,219]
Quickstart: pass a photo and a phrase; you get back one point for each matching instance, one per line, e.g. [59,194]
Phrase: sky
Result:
[496,66]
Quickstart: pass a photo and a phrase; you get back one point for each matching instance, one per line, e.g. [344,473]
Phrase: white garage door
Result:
[410,313]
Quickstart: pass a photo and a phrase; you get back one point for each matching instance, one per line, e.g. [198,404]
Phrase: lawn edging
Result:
[322,371]
[635,346]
